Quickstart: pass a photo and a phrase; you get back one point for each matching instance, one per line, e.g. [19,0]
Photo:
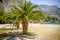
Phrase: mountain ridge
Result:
[50,10]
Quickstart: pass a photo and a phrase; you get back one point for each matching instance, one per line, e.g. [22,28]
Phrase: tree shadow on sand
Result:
[9,28]
[17,36]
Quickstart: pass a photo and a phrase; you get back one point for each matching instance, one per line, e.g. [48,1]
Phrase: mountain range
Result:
[50,10]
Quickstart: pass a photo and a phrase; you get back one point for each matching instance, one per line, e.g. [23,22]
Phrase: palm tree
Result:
[4,16]
[26,11]
[2,13]
[15,18]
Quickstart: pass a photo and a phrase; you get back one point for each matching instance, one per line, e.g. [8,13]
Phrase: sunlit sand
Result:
[46,31]
[42,31]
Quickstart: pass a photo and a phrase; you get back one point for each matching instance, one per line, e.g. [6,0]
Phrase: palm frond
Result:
[36,15]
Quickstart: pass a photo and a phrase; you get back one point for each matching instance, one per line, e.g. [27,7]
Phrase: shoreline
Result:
[32,24]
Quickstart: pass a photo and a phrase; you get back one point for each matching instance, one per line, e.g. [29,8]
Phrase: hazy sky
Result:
[48,2]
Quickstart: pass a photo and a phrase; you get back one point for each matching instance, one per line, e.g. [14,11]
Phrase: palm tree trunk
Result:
[17,25]
[25,26]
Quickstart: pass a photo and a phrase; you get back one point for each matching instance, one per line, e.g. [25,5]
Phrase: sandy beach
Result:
[44,31]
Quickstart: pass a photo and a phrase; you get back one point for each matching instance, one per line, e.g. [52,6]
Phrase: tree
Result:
[15,18]
[23,12]
[4,16]
[1,15]
[26,11]
[51,18]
